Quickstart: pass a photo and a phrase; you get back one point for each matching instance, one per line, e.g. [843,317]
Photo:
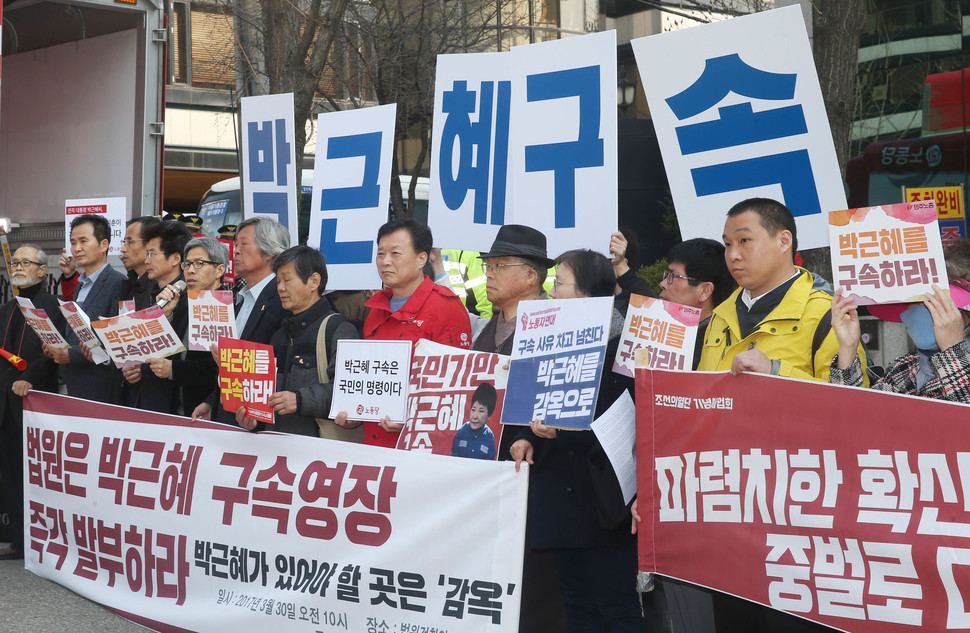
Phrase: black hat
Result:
[518,240]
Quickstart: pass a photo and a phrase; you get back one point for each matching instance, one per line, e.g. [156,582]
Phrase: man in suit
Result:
[28,269]
[97,292]
[259,313]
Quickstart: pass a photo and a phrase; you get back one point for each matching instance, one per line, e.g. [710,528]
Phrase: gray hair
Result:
[41,254]
[270,236]
[217,250]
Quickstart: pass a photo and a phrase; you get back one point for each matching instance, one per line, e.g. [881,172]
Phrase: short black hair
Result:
[99,225]
[703,260]
[173,236]
[486,395]
[774,217]
[593,271]
[306,261]
[144,220]
[420,233]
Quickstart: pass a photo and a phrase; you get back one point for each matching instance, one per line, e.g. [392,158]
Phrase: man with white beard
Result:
[28,268]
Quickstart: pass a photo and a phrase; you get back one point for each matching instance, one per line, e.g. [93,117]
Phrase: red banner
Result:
[841,505]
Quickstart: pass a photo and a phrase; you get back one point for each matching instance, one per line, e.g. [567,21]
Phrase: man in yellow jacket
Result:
[778,321]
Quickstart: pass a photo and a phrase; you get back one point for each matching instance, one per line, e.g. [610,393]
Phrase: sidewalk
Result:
[30,604]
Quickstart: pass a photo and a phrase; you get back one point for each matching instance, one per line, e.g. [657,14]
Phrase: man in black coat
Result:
[259,313]
[28,272]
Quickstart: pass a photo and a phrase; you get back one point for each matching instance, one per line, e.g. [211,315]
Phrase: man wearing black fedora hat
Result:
[515,269]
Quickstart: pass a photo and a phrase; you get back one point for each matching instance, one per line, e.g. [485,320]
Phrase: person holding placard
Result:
[777,321]
[938,328]
[163,257]
[196,373]
[99,286]
[300,398]
[595,552]
[28,268]
[259,312]
[410,307]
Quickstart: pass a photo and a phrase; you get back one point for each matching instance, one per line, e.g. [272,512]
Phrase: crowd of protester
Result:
[760,313]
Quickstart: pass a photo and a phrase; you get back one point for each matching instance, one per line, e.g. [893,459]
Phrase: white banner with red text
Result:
[201,527]
[842,505]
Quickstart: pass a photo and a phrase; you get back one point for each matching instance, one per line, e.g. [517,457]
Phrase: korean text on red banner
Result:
[842,505]
[210,316]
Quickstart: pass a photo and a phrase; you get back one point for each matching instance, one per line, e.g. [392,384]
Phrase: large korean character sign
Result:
[351,183]
[470,141]
[268,160]
[564,140]
[739,114]
[526,137]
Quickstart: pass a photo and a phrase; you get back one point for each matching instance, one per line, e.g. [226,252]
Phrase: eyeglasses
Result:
[128,241]
[154,253]
[670,276]
[497,267]
[16,263]
[556,283]
[197,264]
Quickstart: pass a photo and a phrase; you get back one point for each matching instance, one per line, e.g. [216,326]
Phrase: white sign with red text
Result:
[81,324]
[370,380]
[41,324]
[210,316]
[114,210]
[133,338]
[665,328]
[201,527]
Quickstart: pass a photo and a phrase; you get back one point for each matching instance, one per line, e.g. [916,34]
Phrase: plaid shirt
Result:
[952,368]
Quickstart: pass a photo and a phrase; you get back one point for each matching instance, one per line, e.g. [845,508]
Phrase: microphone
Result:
[179,287]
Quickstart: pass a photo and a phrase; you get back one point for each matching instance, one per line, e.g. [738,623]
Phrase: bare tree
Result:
[394,46]
[284,46]
[836,26]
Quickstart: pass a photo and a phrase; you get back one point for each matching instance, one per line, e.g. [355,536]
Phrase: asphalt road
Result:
[31,604]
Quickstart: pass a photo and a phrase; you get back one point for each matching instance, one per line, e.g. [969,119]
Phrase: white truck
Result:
[81,110]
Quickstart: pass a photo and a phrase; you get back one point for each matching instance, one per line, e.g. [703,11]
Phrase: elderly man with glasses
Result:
[28,269]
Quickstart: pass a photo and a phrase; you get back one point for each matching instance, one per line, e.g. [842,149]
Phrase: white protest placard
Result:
[41,324]
[211,315]
[468,196]
[739,114]
[351,188]
[616,431]
[563,142]
[455,401]
[667,329]
[201,527]
[114,210]
[131,339]
[371,380]
[81,324]
[887,254]
[526,137]
[268,160]
[557,360]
